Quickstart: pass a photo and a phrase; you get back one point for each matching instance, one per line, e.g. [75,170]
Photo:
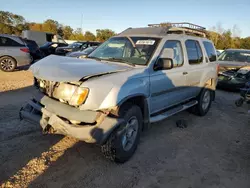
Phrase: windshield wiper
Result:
[120,60]
[96,58]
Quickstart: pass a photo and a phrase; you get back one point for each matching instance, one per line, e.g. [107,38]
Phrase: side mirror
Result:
[165,61]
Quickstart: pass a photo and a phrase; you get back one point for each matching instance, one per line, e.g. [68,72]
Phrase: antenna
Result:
[81,22]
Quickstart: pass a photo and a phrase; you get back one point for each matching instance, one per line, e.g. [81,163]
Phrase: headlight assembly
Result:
[79,96]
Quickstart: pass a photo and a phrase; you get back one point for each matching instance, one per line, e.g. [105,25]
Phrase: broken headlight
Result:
[72,94]
[79,96]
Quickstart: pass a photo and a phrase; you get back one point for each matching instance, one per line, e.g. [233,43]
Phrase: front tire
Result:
[123,142]
[204,103]
[7,64]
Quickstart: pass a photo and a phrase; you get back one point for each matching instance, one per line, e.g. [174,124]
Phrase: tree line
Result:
[14,24]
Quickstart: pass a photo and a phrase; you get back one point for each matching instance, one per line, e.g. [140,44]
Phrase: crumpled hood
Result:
[235,64]
[66,69]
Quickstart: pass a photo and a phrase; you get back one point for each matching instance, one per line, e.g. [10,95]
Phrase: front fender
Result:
[131,88]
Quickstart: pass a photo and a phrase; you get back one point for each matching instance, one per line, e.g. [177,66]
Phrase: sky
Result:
[121,14]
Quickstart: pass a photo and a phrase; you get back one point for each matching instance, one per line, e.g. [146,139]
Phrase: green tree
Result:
[12,23]
[36,26]
[104,34]
[50,26]
[60,30]
[213,36]
[88,36]
[67,31]
[77,35]
[245,43]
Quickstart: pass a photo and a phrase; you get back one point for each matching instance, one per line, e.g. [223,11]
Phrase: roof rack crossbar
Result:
[183,27]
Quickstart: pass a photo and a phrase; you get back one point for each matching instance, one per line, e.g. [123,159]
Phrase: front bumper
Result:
[54,118]
[230,85]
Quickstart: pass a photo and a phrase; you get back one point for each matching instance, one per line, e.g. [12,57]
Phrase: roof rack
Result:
[182,28]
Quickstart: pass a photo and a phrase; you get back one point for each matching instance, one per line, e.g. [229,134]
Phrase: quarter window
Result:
[210,51]
[178,53]
[194,52]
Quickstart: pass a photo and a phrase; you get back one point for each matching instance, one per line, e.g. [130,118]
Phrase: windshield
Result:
[134,50]
[75,45]
[241,56]
[88,50]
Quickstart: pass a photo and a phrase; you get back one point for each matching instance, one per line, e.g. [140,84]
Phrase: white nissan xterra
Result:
[140,76]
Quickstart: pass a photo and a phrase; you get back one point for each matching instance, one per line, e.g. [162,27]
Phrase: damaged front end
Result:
[234,79]
[55,106]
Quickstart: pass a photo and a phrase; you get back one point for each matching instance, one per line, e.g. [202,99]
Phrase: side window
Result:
[210,51]
[178,53]
[5,41]
[194,52]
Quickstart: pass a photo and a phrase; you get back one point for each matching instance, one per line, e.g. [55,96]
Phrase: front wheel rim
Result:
[7,64]
[130,133]
[206,100]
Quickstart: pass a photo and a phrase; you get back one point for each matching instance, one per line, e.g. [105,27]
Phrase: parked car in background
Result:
[50,47]
[234,69]
[13,53]
[141,76]
[234,79]
[234,59]
[219,52]
[82,53]
[75,47]
[35,52]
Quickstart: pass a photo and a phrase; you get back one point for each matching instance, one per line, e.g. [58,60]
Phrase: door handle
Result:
[184,73]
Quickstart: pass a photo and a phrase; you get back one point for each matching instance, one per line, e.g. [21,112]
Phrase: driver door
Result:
[168,86]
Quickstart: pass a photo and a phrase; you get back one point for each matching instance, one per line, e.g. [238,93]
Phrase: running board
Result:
[172,111]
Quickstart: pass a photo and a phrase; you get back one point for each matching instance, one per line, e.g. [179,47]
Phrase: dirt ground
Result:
[213,151]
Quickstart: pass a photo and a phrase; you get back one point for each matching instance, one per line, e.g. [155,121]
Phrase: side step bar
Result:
[172,111]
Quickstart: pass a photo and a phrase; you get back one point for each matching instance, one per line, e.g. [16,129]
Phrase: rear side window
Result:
[194,52]
[5,41]
[210,51]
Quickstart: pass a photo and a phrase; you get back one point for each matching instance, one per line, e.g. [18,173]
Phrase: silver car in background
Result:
[13,53]
[82,53]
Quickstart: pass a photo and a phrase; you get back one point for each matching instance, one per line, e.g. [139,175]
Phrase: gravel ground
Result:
[213,151]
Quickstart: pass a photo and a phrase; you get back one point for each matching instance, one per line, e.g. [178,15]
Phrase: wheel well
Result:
[10,57]
[141,102]
[210,84]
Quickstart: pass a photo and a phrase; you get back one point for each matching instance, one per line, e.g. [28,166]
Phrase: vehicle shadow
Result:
[20,142]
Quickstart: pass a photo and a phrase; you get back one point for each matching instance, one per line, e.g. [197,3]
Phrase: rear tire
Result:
[123,142]
[7,64]
[204,103]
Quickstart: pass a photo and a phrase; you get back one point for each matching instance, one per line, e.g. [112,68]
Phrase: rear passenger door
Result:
[10,47]
[196,63]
